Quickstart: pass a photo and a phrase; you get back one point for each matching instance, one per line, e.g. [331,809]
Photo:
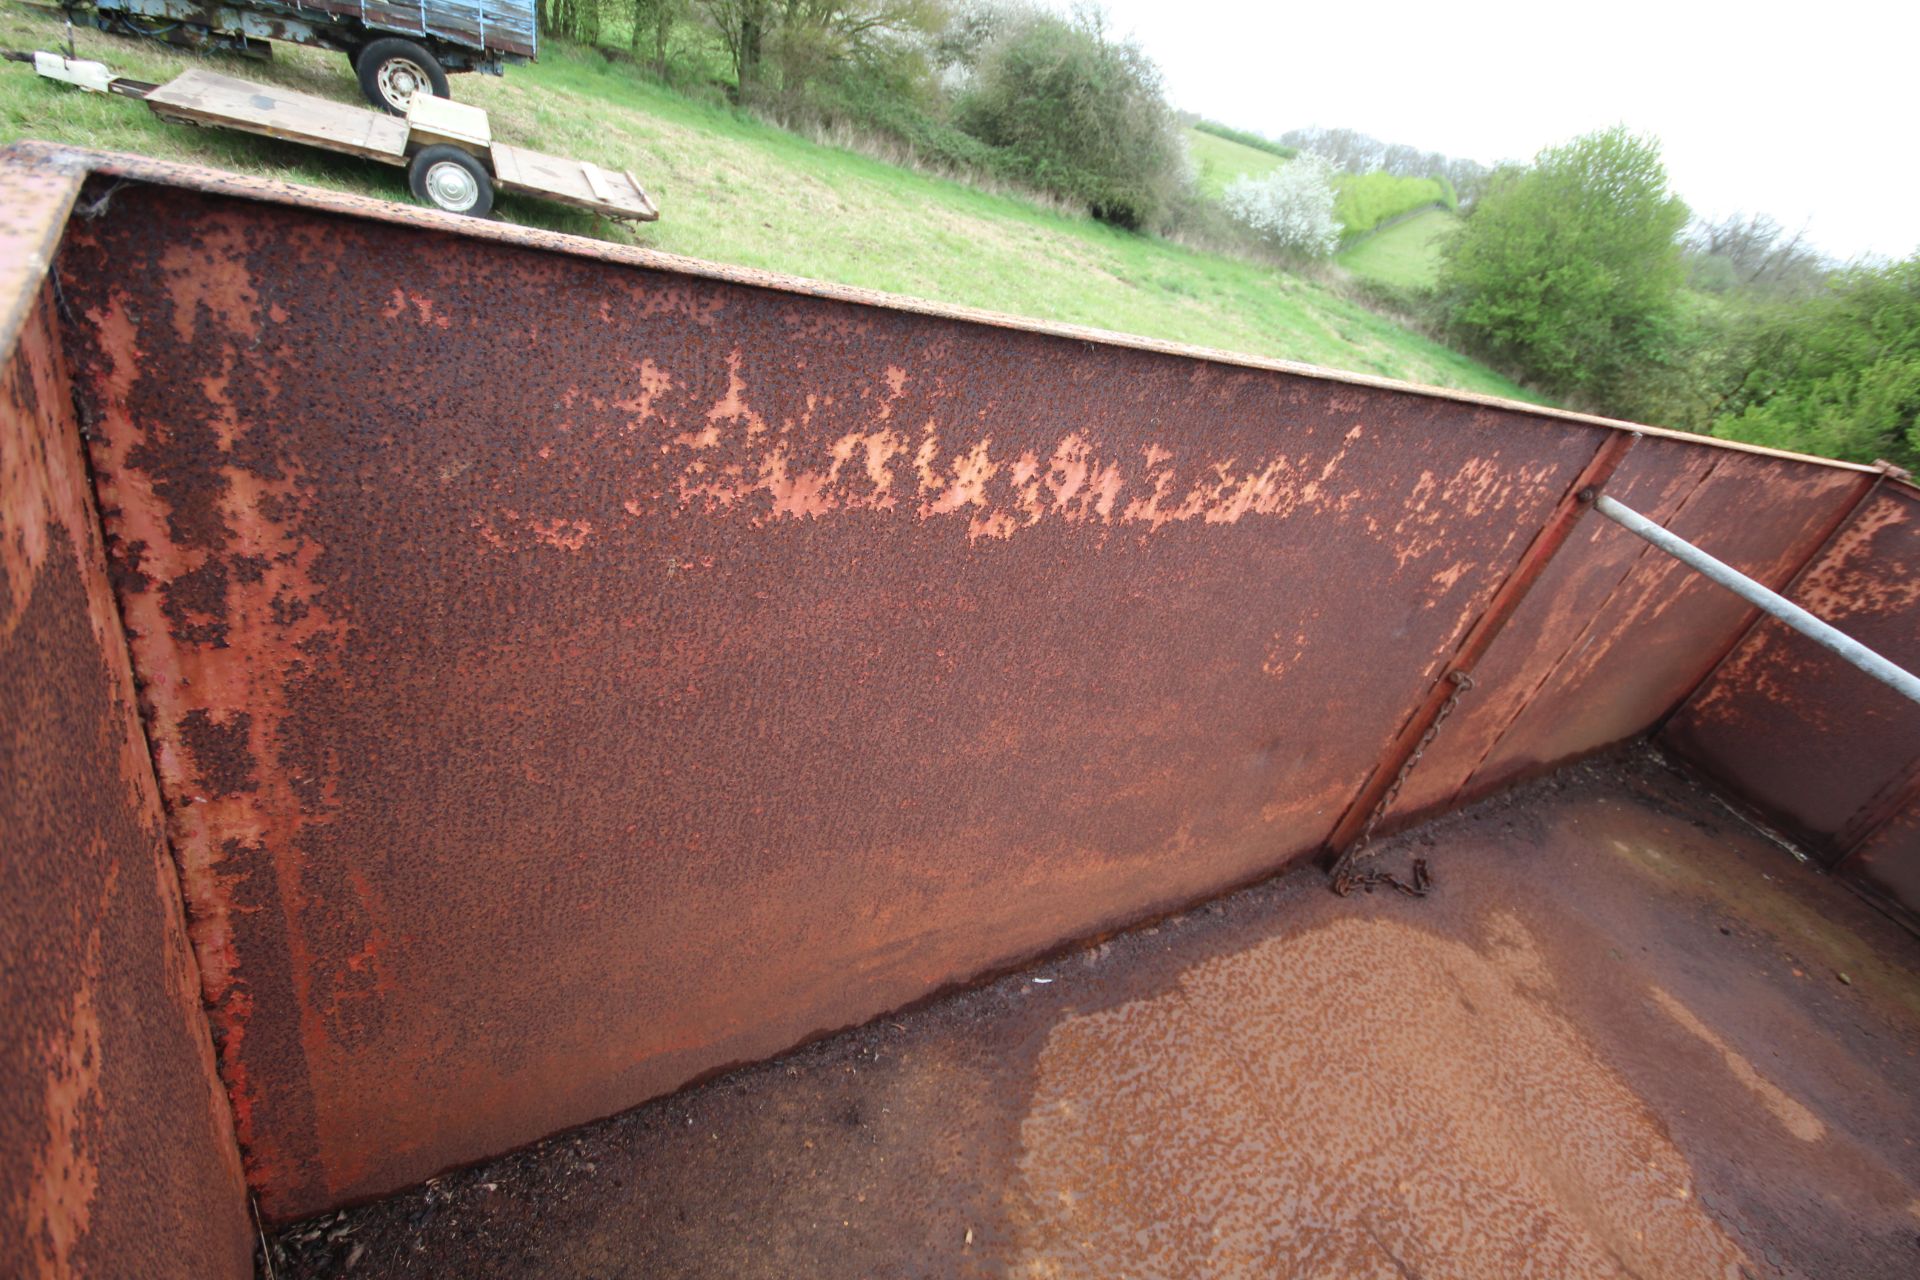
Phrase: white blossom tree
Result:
[1291,208]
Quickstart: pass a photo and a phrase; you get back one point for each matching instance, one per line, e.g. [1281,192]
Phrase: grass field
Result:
[734,190]
[1218,161]
[1406,254]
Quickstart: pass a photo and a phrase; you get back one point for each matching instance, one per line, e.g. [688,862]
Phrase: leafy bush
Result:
[932,140]
[1569,272]
[1246,139]
[1084,114]
[1838,375]
[1289,209]
[1365,200]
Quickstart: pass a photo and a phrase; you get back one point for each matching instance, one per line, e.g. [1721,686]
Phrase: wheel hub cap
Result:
[400,79]
[451,187]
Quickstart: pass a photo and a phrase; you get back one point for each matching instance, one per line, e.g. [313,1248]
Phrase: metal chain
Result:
[1344,882]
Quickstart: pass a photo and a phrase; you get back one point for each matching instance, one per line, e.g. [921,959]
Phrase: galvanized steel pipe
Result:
[1754,593]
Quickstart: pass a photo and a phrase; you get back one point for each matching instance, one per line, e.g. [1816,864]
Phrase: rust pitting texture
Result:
[1617,633]
[120,1156]
[1802,736]
[567,680]
[1612,1042]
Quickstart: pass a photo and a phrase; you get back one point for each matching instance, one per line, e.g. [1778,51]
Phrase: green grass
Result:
[1218,161]
[1365,200]
[734,190]
[1406,254]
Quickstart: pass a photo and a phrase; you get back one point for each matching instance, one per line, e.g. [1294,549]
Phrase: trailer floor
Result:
[1626,1035]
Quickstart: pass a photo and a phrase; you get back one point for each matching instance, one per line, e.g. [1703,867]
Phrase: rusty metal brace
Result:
[1345,881]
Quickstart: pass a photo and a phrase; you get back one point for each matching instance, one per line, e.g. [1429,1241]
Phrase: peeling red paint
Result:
[1003,491]
[117,1137]
[271,625]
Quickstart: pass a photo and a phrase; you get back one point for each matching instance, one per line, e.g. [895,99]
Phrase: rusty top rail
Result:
[75,163]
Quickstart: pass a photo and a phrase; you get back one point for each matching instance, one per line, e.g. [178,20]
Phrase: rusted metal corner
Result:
[1751,725]
[117,1134]
[1480,637]
[37,192]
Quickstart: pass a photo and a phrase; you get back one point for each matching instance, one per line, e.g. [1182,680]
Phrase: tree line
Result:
[1000,89]
[1583,274]
[1350,151]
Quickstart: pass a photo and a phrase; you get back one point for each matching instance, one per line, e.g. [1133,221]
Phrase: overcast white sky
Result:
[1809,112]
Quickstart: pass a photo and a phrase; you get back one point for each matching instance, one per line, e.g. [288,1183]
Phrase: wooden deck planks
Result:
[202,97]
[573,182]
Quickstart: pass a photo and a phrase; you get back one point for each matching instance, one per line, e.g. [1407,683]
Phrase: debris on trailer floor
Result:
[1626,1034]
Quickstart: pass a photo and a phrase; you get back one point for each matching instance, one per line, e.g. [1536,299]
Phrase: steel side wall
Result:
[117,1154]
[1824,751]
[1617,634]
[569,678]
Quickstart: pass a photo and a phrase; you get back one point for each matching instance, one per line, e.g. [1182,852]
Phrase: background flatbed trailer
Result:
[397,47]
[447,148]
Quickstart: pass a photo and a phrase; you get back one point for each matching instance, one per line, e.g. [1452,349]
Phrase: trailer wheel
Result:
[391,71]
[451,179]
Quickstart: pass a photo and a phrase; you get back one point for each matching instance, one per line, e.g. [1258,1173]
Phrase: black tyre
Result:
[391,71]
[451,179]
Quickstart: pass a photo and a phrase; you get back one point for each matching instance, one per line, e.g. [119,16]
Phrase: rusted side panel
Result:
[1804,737]
[569,680]
[1655,476]
[117,1154]
[1417,735]
[1887,861]
[1598,664]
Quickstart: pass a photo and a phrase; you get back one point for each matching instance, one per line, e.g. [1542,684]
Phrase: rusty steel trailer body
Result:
[569,670]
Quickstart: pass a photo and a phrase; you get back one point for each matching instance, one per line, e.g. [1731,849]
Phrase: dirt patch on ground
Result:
[1411,1105]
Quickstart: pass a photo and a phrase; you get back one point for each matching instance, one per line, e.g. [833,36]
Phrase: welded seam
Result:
[1579,640]
[1901,793]
[214,1059]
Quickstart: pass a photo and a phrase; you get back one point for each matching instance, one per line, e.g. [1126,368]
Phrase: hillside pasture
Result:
[1405,255]
[1218,161]
[734,189]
